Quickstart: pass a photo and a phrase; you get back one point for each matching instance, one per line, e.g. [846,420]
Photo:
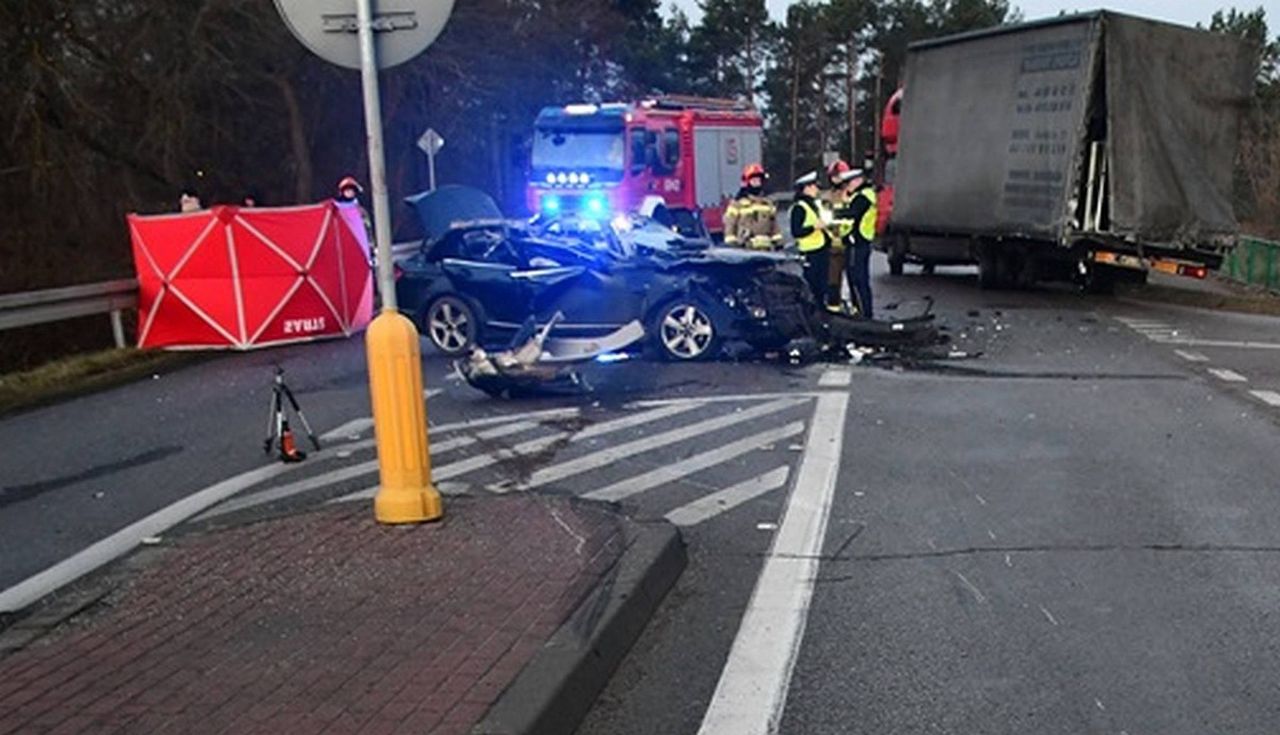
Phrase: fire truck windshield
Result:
[573,149]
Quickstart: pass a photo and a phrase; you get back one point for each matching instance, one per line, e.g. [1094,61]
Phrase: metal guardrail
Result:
[30,308]
[1254,261]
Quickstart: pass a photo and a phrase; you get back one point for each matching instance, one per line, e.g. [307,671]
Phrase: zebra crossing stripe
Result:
[1269,397]
[709,506]
[615,453]
[670,473]
[1191,356]
[1229,376]
[357,470]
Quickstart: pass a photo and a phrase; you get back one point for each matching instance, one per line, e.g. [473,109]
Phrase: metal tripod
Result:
[278,424]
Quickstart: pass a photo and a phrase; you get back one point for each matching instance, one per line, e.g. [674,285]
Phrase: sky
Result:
[1186,12]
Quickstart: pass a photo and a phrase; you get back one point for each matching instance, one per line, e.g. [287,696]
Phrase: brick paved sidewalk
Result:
[319,623]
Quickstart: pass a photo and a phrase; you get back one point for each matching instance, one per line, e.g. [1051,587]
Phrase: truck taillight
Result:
[1193,271]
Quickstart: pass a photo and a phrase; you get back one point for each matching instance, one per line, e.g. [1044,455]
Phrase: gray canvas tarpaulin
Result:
[990,129]
[995,140]
[1175,97]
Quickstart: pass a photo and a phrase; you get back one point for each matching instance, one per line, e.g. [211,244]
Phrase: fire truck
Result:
[594,160]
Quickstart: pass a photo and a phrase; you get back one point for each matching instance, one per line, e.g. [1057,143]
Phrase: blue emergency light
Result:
[551,204]
[595,206]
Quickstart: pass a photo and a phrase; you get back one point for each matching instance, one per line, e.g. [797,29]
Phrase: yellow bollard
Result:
[406,494]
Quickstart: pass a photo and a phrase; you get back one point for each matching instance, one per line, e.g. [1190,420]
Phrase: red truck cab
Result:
[598,160]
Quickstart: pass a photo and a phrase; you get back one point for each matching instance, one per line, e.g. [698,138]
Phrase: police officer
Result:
[751,220]
[862,213]
[812,236]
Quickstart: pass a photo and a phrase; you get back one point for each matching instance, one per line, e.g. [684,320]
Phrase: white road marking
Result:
[293,488]
[1048,615]
[972,587]
[991,534]
[752,690]
[1191,356]
[698,462]
[358,470]
[1099,703]
[432,392]
[723,501]
[981,500]
[1008,561]
[480,461]
[1225,343]
[618,452]
[353,428]
[738,398]
[836,379]
[1269,397]
[123,541]
[1229,376]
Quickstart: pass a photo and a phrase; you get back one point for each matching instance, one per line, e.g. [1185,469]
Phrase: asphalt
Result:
[1128,490]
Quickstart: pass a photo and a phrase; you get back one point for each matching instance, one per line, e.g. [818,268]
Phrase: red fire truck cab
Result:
[598,160]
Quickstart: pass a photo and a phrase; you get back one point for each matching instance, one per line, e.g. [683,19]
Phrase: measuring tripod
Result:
[278,432]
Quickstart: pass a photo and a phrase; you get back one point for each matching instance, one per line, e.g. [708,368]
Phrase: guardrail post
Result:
[117,328]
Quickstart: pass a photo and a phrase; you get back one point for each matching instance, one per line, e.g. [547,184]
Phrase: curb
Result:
[559,685]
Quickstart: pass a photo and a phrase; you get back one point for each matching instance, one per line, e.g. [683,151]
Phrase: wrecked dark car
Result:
[478,278]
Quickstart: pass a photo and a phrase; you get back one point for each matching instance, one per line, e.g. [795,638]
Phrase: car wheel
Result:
[683,331]
[451,325]
[927,268]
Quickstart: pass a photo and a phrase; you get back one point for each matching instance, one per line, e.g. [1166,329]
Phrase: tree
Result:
[730,48]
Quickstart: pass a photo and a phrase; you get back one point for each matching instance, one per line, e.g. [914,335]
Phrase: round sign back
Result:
[402,28]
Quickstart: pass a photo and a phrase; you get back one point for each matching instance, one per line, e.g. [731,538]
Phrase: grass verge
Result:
[79,374]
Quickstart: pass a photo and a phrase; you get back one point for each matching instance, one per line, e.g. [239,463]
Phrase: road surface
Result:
[1074,532]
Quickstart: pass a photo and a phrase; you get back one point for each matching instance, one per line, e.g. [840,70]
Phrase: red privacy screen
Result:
[231,277]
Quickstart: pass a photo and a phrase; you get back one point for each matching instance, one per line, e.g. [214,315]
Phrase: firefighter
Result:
[862,213]
[751,220]
[838,198]
[812,236]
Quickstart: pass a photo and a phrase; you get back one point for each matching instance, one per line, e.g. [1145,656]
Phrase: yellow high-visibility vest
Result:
[867,227]
[816,239]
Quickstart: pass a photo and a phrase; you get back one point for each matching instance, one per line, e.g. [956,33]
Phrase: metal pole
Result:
[431,171]
[377,164]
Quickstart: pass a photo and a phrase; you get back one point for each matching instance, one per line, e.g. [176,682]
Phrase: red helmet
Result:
[837,168]
[349,182]
[752,171]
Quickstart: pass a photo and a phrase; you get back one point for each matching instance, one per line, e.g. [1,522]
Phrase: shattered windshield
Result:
[565,149]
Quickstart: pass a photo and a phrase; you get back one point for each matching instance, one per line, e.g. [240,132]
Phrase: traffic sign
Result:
[402,28]
[431,142]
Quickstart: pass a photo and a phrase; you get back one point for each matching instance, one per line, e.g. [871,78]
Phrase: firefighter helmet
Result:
[837,168]
[753,170]
[349,182]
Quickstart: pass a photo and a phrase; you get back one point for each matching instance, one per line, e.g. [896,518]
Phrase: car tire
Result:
[451,324]
[927,268]
[683,331]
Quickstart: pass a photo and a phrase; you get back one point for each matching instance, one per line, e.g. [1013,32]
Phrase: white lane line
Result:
[550,414]
[1269,397]
[1229,376]
[432,392]
[836,379]
[618,452]
[1191,356]
[723,501]
[670,473]
[123,541]
[752,690]
[1225,343]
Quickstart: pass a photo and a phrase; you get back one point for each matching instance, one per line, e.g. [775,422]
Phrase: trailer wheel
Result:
[898,254]
[927,268]
[990,268]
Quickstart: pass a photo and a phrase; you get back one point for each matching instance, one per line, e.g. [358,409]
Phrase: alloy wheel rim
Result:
[449,326]
[686,331]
